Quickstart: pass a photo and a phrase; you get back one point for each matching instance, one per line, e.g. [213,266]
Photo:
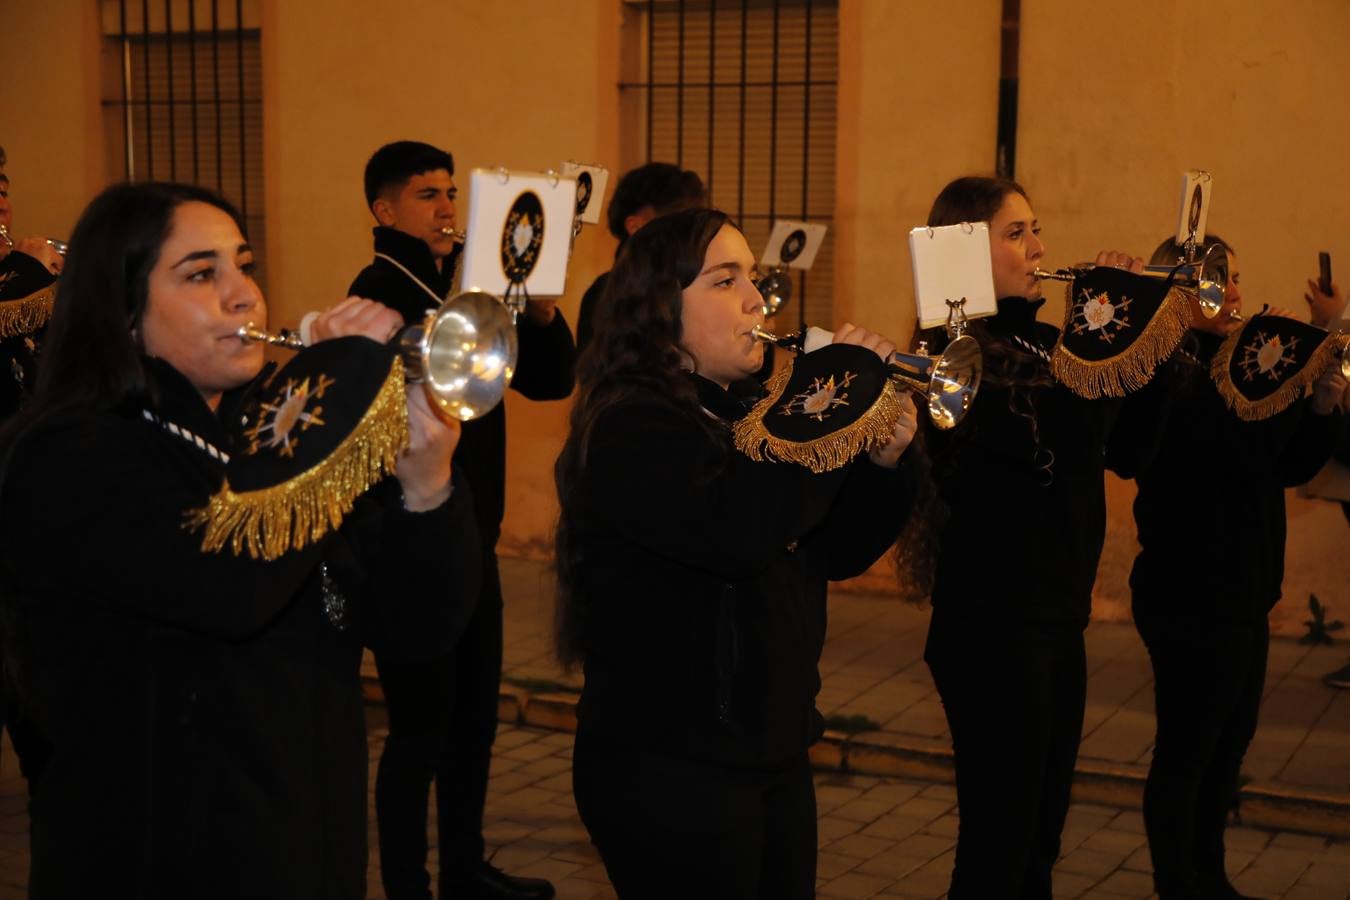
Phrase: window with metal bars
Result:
[744,93]
[182,97]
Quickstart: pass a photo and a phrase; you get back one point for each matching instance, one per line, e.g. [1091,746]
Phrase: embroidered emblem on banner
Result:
[1097,313]
[1267,355]
[820,399]
[289,414]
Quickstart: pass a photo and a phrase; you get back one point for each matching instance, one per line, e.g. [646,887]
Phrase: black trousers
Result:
[1207,685]
[672,829]
[442,722]
[1014,703]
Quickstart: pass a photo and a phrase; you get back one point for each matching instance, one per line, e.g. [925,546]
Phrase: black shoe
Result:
[491,883]
[1338,679]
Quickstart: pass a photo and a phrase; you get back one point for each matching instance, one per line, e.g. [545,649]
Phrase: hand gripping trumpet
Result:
[463,353]
[948,382]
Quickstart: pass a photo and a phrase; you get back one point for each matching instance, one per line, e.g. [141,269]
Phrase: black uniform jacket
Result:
[204,710]
[543,371]
[1210,510]
[1022,479]
[20,276]
[702,582]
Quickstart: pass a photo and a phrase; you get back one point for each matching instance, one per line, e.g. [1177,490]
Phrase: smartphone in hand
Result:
[1324,272]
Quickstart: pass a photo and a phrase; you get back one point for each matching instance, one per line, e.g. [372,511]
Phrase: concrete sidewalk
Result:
[1298,766]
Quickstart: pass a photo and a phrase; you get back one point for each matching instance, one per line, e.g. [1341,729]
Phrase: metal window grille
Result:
[183,97]
[744,93]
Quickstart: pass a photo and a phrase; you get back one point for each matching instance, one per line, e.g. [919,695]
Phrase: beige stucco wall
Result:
[918,105]
[50,119]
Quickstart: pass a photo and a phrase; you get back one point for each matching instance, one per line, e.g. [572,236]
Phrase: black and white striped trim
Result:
[196,440]
[1030,347]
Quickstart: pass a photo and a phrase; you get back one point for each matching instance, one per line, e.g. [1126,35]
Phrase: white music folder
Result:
[952,262]
[522,220]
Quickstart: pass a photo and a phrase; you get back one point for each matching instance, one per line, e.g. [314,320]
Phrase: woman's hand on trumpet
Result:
[355,316]
[423,469]
[902,433]
[1118,260]
[1329,390]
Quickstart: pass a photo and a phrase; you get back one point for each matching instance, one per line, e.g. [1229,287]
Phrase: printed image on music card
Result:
[1196,185]
[591,182]
[793,245]
[520,232]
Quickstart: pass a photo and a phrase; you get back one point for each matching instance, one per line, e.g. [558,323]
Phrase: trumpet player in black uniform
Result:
[1211,520]
[204,708]
[1021,498]
[443,715]
[692,580]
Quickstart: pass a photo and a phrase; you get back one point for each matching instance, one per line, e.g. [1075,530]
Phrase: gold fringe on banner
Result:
[1131,369]
[300,511]
[27,314]
[1278,402]
[822,454]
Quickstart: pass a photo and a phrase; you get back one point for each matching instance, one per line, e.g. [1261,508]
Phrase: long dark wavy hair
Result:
[971,198]
[637,351]
[91,358]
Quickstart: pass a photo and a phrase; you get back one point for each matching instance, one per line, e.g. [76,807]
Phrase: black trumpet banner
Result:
[1269,363]
[1118,326]
[325,429]
[822,410]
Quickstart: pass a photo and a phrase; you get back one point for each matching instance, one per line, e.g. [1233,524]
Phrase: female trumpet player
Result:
[1021,484]
[1211,520]
[692,580]
[204,710]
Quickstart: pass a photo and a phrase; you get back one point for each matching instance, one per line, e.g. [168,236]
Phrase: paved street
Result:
[878,837]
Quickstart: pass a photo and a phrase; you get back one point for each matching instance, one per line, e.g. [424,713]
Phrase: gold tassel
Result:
[824,454]
[300,511]
[1131,369]
[1287,393]
[27,314]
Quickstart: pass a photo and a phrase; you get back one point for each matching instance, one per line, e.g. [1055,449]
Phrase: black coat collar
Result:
[414,255]
[727,405]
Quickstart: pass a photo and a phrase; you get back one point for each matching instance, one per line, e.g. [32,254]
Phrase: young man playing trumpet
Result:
[443,714]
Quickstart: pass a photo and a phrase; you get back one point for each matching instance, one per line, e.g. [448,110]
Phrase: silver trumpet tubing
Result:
[948,382]
[463,353]
[1205,278]
[60,247]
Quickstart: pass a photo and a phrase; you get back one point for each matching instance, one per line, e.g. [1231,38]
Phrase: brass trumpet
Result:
[949,382]
[463,353]
[1205,278]
[458,236]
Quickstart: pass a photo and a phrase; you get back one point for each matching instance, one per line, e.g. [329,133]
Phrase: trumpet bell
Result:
[949,382]
[463,353]
[776,289]
[1206,279]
